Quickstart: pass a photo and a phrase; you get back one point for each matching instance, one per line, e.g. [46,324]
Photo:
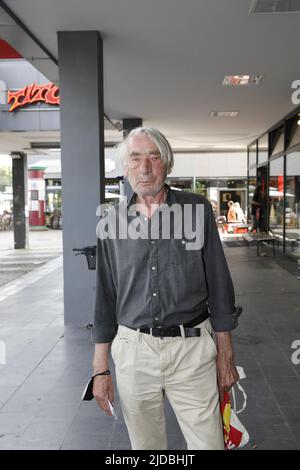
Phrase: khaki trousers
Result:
[182,368]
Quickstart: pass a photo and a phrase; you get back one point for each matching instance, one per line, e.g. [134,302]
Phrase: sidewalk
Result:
[43,247]
[47,365]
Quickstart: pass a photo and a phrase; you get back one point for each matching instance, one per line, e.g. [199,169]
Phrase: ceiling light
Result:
[45,145]
[205,146]
[238,80]
[224,113]
[275,6]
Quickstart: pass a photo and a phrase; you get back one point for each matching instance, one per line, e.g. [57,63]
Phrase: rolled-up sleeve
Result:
[221,297]
[105,325]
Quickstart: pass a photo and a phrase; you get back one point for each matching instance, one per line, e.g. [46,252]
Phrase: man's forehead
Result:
[141,142]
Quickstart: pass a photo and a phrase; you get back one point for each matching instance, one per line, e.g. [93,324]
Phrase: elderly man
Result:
[156,305]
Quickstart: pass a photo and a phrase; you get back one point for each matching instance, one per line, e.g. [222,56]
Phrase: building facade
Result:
[274,165]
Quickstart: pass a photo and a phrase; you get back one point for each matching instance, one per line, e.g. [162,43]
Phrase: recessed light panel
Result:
[275,6]
[224,113]
[241,80]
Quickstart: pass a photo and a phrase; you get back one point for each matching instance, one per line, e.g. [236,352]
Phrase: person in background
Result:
[231,214]
[257,209]
[240,216]
[6,220]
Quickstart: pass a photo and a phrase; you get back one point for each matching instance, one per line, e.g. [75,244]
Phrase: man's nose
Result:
[146,166]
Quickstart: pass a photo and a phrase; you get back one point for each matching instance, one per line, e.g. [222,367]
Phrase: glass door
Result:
[262,182]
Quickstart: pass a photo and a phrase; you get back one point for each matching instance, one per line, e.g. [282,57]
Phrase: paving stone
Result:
[288,398]
[14,423]
[86,441]
[42,433]
[19,403]
[176,442]
[279,370]
[287,384]
[120,437]
[292,415]
[276,444]
[8,441]
[89,424]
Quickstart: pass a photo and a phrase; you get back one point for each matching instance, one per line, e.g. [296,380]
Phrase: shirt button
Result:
[152,241]
[155,318]
[153,267]
[154,294]
[183,242]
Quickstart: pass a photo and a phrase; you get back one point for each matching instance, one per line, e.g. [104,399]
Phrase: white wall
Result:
[216,164]
[210,164]
[185,164]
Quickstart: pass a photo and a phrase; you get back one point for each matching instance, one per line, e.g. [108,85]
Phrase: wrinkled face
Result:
[144,169]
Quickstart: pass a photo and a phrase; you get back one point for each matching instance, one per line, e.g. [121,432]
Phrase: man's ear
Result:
[125,172]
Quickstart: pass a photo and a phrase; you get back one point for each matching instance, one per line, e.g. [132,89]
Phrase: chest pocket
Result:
[181,255]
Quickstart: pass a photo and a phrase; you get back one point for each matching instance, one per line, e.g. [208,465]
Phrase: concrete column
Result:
[128,125]
[80,56]
[20,199]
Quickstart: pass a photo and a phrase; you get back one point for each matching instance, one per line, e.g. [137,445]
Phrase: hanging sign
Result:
[33,93]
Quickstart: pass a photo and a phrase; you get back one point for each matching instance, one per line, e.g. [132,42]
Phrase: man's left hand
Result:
[227,374]
[226,370]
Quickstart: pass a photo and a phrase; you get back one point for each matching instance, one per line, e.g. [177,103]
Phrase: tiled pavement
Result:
[47,365]
[44,246]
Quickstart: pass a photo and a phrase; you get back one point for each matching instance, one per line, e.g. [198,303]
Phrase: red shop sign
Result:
[280,184]
[34,93]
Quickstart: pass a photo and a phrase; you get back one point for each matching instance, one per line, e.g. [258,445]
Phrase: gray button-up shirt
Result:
[156,281]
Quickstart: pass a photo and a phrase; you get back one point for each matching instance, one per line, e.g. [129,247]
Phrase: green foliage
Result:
[5,176]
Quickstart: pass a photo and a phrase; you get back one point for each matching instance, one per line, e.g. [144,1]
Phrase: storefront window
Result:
[276,198]
[252,154]
[112,190]
[53,203]
[277,141]
[292,210]
[293,132]
[252,182]
[185,184]
[6,193]
[217,190]
[263,149]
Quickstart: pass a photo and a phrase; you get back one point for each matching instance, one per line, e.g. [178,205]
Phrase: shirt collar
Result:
[170,200]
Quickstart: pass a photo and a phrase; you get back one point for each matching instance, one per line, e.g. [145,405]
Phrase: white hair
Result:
[157,137]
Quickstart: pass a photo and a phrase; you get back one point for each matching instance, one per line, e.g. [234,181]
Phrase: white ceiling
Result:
[21,141]
[164,61]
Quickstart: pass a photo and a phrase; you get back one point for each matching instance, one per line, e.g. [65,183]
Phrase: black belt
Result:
[171,331]
[166,331]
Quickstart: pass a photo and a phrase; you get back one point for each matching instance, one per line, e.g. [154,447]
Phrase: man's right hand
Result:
[103,390]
